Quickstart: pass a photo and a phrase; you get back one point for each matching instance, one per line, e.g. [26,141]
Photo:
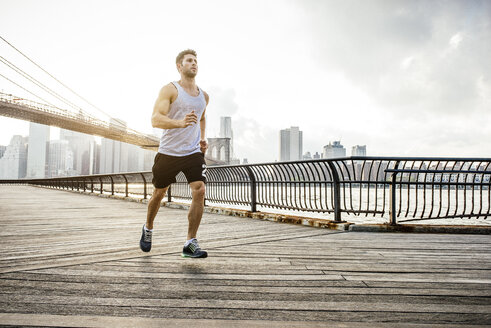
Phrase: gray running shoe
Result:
[146,240]
[193,250]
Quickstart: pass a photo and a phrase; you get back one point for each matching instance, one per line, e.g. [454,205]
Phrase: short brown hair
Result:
[181,55]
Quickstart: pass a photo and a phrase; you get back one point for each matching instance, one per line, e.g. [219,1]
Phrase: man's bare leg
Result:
[196,209]
[153,209]
[154,205]
[191,247]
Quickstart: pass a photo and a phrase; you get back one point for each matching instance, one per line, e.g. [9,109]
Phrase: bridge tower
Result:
[219,149]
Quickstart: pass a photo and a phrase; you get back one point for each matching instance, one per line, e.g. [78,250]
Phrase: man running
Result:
[179,108]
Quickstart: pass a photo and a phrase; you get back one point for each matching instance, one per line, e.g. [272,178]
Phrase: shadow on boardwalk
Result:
[72,260]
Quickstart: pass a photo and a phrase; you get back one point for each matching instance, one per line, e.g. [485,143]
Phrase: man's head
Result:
[187,63]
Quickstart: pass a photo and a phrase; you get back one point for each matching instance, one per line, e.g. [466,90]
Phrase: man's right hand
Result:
[190,119]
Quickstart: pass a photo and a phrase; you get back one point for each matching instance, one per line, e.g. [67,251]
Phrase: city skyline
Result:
[72,154]
[75,153]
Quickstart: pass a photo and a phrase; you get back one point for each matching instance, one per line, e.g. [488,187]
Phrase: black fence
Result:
[400,189]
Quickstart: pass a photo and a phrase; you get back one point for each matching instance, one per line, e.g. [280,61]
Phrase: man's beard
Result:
[190,74]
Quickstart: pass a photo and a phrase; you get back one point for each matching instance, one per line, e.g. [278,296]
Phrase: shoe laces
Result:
[147,236]
[194,246]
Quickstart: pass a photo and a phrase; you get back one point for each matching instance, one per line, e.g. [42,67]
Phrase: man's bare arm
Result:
[161,110]
[202,125]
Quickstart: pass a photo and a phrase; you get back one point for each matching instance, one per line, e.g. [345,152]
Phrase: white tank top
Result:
[183,141]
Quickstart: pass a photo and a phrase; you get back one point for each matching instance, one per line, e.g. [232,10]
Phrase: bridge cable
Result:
[40,84]
[20,52]
[47,102]
[114,122]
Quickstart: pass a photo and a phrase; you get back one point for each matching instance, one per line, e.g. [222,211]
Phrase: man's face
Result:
[189,66]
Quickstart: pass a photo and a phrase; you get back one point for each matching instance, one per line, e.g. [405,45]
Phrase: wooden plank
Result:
[246,304]
[98,321]
[193,275]
[178,286]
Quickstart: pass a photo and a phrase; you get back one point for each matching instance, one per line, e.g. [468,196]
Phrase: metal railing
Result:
[399,189]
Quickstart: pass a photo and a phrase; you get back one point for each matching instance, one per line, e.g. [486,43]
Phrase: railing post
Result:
[144,186]
[112,185]
[126,188]
[337,192]
[253,189]
[102,185]
[393,209]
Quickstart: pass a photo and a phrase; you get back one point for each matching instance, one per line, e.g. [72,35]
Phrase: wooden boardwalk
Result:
[73,260]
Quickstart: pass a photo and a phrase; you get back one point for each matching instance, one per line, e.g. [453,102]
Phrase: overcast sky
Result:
[405,78]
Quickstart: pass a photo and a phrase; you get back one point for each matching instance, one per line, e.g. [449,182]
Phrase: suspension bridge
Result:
[74,118]
[28,110]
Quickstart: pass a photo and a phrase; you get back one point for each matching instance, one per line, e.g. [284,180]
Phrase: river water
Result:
[411,203]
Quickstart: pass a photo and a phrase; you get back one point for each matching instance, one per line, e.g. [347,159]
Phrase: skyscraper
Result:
[226,132]
[291,144]
[37,153]
[226,127]
[60,159]
[94,157]
[334,150]
[79,144]
[359,150]
[114,154]
[13,163]
[284,145]
[139,159]
[110,156]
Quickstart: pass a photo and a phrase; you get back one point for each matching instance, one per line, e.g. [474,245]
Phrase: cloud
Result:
[254,141]
[222,103]
[423,65]
[417,55]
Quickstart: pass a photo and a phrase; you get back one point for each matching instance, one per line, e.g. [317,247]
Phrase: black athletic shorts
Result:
[165,168]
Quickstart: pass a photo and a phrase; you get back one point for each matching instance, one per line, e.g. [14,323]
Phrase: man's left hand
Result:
[203,145]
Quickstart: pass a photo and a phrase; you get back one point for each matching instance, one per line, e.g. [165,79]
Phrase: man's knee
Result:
[159,193]
[198,189]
